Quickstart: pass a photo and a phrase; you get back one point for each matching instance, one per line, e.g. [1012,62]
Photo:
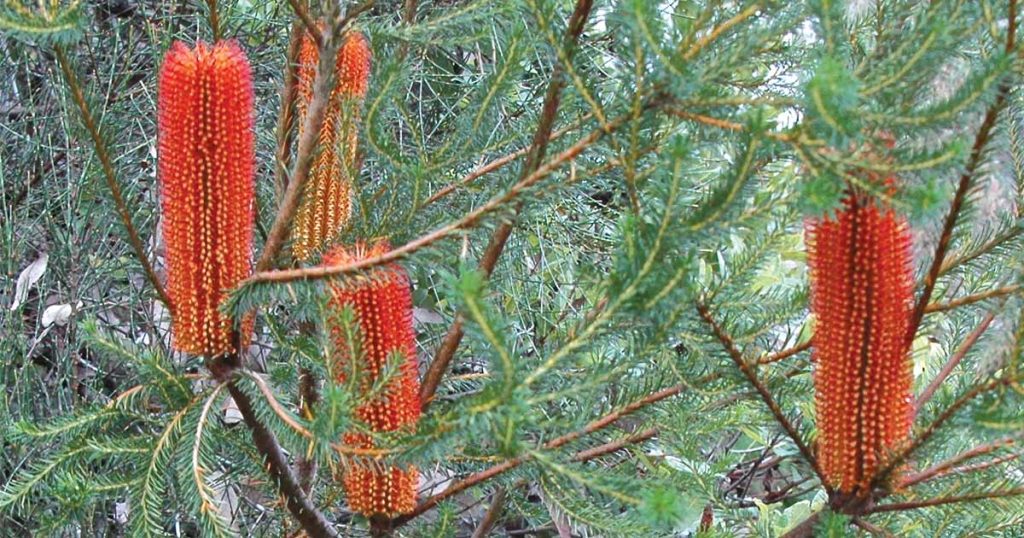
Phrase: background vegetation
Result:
[620,348]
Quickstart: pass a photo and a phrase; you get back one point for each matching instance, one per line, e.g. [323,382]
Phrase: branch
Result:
[495,470]
[966,179]
[312,521]
[614,446]
[715,33]
[492,515]
[939,501]
[286,115]
[1008,235]
[214,20]
[312,273]
[315,115]
[311,27]
[944,468]
[497,164]
[953,361]
[737,357]
[534,156]
[784,354]
[971,299]
[929,431]
[108,172]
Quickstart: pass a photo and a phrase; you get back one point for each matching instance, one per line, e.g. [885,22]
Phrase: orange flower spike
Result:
[326,203]
[862,298]
[206,172]
[382,304]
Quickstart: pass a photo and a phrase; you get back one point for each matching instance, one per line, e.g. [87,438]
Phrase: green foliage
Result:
[691,140]
[50,23]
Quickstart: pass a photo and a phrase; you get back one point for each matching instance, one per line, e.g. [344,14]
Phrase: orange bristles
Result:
[862,295]
[205,163]
[326,202]
[382,304]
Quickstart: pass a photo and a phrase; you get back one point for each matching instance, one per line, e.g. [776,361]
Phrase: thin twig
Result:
[301,508]
[717,32]
[737,357]
[100,146]
[939,501]
[953,361]
[614,446]
[497,164]
[467,221]
[943,468]
[492,515]
[286,114]
[929,431]
[315,115]
[981,140]
[495,470]
[971,299]
[307,20]
[963,258]
[784,354]
[532,165]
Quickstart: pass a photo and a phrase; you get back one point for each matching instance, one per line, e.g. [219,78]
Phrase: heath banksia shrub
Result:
[862,294]
[381,301]
[206,153]
[326,202]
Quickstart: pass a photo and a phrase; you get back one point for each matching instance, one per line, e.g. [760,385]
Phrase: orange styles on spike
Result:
[326,202]
[382,305]
[862,298]
[205,167]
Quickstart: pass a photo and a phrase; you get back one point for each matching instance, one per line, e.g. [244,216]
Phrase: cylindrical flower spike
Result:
[206,166]
[382,305]
[862,299]
[326,202]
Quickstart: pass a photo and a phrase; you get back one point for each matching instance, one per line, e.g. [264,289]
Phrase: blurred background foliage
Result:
[717,126]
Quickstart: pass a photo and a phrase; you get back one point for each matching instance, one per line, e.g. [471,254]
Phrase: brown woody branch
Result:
[614,446]
[467,221]
[491,472]
[286,115]
[496,164]
[214,19]
[492,515]
[940,501]
[784,354]
[929,431]
[106,163]
[301,508]
[971,299]
[534,156]
[949,466]
[953,361]
[981,140]
[737,357]
[307,20]
[317,112]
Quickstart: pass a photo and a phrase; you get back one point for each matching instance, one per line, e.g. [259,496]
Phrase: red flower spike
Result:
[862,298]
[382,304]
[206,167]
[326,202]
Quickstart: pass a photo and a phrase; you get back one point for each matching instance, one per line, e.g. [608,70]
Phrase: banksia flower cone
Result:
[326,202]
[861,296]
[382,304]
[205,166]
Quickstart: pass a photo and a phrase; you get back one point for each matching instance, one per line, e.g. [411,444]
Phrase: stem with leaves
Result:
[106,163]
[534,156]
